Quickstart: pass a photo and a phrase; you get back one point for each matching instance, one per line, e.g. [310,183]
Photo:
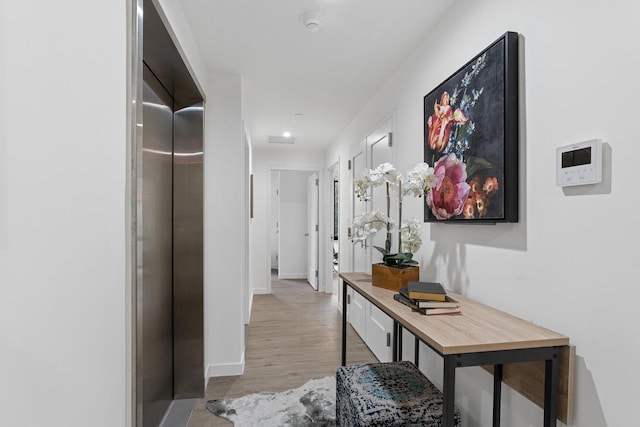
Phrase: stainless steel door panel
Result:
[188,324]
[168,327]
[156,288]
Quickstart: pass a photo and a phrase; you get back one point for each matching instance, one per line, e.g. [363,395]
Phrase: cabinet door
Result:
[379,328]
[357,313]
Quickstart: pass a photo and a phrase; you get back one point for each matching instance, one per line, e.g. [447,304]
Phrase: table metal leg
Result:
[449,391]
[551,374]
[344,323]
[399,342]
[393,341]
[416,352]
[497,394]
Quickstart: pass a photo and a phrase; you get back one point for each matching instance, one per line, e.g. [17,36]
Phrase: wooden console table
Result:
[480,336]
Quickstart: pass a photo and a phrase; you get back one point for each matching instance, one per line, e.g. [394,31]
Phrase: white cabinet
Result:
[379,328]
[374,327]
[358,312]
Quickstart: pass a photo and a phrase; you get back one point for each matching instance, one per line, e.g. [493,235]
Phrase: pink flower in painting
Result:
[440,122]
[448,197]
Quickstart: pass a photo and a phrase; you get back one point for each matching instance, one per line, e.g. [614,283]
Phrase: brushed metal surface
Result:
[156,286]
[134,156]
[188,318]
[167,311]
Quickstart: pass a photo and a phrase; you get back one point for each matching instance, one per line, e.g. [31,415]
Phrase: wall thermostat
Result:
[579,164]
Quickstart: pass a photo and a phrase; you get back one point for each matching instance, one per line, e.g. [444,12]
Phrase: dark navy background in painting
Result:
[473,115]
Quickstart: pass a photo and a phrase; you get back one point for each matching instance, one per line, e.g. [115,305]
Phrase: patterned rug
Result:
[312,404]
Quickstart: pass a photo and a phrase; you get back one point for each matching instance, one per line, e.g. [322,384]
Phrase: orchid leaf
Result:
[383,251]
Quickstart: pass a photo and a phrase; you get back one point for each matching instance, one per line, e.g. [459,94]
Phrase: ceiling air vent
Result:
[281,139]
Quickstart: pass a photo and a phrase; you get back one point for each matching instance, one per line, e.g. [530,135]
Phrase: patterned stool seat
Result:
[387,394]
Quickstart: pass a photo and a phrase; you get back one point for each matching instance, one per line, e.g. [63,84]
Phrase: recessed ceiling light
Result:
[287,134]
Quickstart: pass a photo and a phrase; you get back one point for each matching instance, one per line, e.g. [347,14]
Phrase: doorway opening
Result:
[166,246]
[294,226]
[333,214]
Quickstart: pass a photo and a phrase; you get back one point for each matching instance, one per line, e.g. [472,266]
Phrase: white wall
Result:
[572,251]
[227,153]
[227,167]
[63,201]
[292,248]
[265,160]
[62,213]
[223,182]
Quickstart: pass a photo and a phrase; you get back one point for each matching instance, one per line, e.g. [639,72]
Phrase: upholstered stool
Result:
[387,394]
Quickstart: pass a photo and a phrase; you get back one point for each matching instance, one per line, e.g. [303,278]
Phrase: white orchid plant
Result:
[419,180]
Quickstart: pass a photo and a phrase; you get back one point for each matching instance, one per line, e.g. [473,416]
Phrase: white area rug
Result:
[312,404]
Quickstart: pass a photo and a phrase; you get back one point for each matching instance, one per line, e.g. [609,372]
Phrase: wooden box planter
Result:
[393,278]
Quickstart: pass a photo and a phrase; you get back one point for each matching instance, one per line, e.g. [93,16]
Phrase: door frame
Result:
[321,222]
[313,230]
[134,76]
[385,126]
[332,170]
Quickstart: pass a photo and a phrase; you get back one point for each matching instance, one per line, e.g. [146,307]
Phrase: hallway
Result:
[294,335]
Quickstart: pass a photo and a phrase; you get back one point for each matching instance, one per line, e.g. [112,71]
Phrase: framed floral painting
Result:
[471,139]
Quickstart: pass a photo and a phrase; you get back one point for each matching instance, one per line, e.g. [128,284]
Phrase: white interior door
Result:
[293,239]
[361,254]
[379,147]
[373,326]
[373,151]
[274,225]
[312,230]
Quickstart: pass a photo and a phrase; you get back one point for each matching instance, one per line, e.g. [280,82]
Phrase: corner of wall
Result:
[225,369]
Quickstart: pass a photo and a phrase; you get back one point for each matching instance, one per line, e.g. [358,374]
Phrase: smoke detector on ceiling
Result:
[311,21]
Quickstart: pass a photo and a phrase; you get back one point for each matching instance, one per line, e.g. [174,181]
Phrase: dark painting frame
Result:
[471,139]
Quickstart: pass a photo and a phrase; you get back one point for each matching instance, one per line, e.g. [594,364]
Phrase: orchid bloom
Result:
[369,223]
[419,179]
[411,240]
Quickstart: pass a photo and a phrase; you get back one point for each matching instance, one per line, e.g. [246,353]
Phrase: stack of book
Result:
[427,298]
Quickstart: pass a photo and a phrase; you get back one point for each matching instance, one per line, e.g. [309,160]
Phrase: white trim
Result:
[327,265]
[321,225]
[293,276]
[261,291]
[225,369]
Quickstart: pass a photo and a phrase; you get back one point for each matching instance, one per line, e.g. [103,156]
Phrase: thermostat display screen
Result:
[578,157]
[579,164]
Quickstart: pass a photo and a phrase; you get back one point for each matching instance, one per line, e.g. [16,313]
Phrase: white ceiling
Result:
[327,76]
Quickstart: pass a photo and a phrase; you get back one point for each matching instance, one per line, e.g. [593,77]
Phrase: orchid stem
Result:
[387,243]
[399,216]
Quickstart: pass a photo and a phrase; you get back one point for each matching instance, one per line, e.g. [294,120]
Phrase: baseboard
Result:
[260,291]
[292,276]
[225,369]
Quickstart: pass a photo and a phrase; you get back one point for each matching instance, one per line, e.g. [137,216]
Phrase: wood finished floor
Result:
[294,336]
